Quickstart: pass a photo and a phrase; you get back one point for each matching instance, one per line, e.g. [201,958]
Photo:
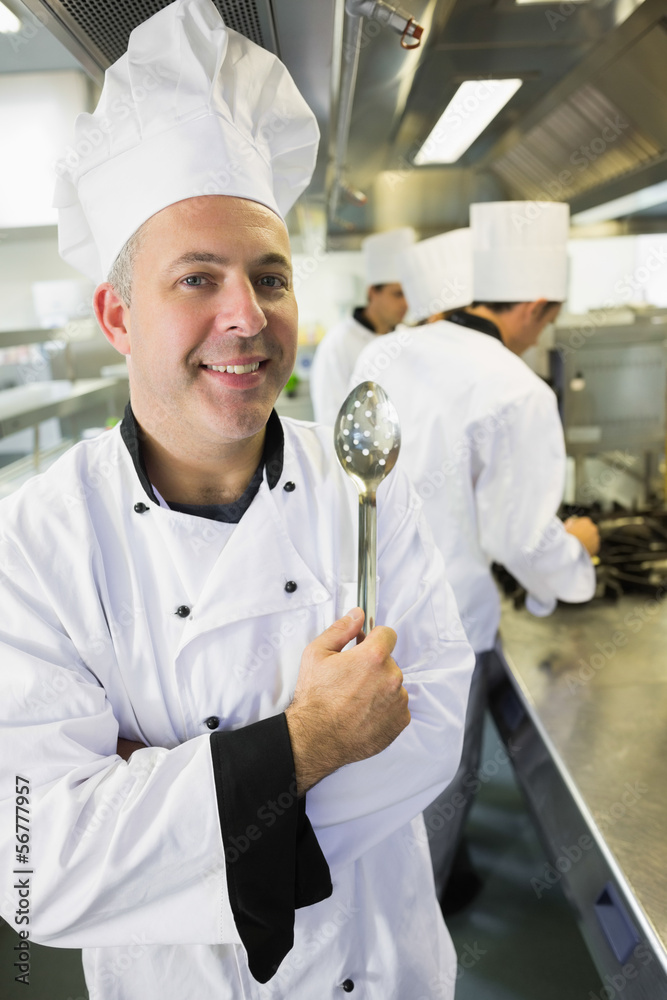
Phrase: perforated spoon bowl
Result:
[367,438]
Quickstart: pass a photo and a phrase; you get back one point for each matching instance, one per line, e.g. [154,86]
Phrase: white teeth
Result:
[235,369]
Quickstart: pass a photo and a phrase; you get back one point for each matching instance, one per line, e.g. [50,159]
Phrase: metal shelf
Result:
[28,405]
[41,335]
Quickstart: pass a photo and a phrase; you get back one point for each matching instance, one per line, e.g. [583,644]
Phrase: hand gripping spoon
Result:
[367,437]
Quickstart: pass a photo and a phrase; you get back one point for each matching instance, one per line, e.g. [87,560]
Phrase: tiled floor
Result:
[517,947]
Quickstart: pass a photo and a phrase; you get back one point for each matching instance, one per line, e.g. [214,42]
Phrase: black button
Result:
[140,508]
[290,586]
[289,487]
[183,611]
[213,722]
[348,985]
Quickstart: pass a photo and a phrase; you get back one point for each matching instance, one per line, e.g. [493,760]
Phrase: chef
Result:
[337,353]
[180,685]
[483,443]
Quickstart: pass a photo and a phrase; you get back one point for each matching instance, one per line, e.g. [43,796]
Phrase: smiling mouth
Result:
[234,369]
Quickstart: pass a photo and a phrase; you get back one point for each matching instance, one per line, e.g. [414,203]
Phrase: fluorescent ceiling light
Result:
[656,194]
[473,106]
[9,23]
[548,1]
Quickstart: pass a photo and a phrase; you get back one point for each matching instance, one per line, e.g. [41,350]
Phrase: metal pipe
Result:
[355,11]
[387,14]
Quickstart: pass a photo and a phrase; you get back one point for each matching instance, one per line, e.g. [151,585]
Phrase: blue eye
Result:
[276,281]
[193,280]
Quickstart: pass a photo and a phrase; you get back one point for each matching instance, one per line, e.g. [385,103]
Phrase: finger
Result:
[337,636]
[383,637]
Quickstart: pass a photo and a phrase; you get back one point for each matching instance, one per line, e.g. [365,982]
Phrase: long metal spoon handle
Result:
[367,578]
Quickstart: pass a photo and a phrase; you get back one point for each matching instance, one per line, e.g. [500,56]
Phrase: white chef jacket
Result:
[332,366]
[483,443]
[128,857]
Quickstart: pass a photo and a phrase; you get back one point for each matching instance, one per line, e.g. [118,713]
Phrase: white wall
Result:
[37,112]
[22,262]
[327,286]
[618,271]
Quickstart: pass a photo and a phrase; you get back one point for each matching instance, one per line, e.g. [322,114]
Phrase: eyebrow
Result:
[204,257]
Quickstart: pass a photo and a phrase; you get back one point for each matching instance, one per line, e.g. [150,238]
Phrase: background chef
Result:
[483,443]
[340,347]
[167,578]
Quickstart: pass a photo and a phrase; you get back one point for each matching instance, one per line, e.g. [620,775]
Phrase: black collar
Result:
[473,322]
[360,317]
[272,460]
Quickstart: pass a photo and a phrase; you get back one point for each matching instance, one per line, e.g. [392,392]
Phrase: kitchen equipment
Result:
[367,438]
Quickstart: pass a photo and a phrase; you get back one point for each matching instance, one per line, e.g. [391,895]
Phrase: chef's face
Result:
[388,302]
[211,290]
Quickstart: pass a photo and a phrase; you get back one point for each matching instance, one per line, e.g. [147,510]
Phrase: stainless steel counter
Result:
[589,739]
[27,405]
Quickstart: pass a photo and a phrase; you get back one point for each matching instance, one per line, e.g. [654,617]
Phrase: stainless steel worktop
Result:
[593,681]
[27,405]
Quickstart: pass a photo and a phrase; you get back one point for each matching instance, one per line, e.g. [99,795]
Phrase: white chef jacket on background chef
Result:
[483,443]
[340,347]
[482,438]
[178,870]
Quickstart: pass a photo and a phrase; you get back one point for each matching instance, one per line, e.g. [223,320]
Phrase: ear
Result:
[113,317]
[537,308]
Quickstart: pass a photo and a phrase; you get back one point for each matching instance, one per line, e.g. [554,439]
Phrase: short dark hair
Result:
[501,307]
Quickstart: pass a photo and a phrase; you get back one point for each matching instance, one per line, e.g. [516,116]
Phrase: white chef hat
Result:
[192,108]
[519,251]
[381,251]
[436,274]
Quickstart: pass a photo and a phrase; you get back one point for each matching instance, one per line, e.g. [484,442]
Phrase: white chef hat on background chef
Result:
[381,252]
[191,108]
[437,275]
[519,251]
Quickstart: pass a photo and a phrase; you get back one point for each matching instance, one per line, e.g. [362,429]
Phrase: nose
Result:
[239,311]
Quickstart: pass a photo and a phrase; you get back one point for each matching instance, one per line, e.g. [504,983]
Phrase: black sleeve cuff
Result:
[273,861]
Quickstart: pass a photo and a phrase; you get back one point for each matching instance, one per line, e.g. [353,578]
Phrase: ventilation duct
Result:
[97,31]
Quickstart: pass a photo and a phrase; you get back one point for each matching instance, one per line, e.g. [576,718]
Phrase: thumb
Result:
[342,631]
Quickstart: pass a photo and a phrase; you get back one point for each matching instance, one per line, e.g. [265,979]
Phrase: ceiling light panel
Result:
[9,23]
[474,106]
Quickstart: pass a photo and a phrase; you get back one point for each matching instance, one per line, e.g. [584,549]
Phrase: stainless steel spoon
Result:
[367,437]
